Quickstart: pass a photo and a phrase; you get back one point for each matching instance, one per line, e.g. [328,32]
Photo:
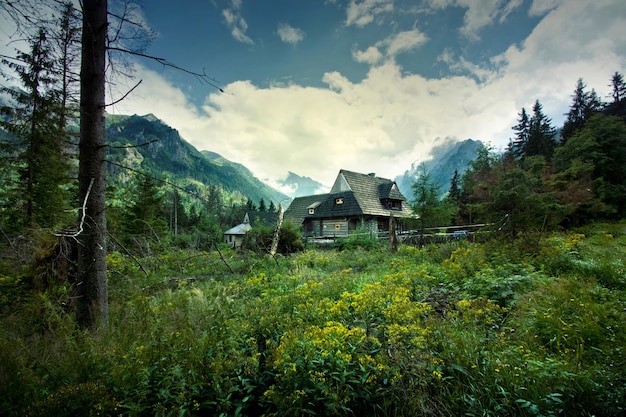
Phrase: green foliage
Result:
[259,239]
[362,238]
[460,329]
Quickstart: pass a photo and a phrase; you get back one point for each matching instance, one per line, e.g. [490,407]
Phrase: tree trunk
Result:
[393,239]
[92,302]
[279,223]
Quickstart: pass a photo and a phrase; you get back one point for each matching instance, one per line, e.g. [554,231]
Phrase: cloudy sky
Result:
[313,86]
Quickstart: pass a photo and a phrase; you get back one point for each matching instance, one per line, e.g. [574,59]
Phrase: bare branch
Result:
[124,96]
[133,146]
[82,218]
[128,252]
[202,77]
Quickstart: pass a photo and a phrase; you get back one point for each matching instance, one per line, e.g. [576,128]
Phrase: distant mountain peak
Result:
[295,185]
[445,158]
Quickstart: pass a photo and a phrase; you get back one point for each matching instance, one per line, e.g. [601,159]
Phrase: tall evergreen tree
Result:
[262,206]
[144,215]
[541,134]
[583,105]
[38,143]
[454,193]
[618,93]
[517,147]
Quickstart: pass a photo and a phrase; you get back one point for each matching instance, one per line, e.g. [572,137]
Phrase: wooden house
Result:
[355,201]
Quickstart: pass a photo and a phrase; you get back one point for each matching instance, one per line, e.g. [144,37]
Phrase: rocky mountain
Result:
[445,158]
[146,144]
[297,186]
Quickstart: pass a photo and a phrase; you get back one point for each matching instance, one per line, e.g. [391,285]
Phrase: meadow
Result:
[536,327]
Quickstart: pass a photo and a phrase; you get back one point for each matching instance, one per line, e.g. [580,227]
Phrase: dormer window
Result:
[339,200]
[313,206]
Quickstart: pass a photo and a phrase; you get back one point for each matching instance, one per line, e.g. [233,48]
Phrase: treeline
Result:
[548,177]
[39,154]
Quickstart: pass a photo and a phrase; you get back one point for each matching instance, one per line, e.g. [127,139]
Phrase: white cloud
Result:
[236,23]
[394,45]
[390,119]
[364,12]
[541,7]
[405,41]
[370,56]
[479,13]
[289,34]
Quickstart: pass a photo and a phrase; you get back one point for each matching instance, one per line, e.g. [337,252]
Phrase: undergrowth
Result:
[461,329]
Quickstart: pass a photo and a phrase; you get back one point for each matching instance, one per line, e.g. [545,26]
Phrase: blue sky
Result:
[313,86]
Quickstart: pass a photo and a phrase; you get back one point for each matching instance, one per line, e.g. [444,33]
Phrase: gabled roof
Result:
[360,194]
[240,229]
[299,207]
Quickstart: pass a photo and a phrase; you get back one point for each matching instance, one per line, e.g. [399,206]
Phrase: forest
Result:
[118,297]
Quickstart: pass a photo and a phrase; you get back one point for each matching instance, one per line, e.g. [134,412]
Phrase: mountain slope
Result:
[146,144]
[302,186]
[446,158]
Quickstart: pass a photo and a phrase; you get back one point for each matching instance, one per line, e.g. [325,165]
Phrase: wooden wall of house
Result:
[335,228]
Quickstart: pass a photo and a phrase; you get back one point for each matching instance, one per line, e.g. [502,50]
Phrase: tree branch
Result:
[133,146]
[82,218]
[202,77]
[124,96]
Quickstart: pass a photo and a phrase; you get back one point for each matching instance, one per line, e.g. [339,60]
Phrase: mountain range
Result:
[147,145]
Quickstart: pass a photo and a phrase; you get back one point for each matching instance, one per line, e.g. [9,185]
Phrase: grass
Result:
[465,329]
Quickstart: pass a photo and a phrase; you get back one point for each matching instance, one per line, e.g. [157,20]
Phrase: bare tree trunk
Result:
[393,239]
[279,223]
[92,303]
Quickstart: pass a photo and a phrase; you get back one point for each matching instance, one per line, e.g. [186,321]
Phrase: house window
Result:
[339,200]
[311,211]
[392,204]
[337,226]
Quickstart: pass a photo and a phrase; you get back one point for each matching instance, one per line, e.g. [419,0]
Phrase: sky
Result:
[315,86]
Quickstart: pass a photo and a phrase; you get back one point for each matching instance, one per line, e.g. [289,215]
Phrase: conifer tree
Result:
[541,134]
[38,149]
[517,147]
[618,93]
[583,105]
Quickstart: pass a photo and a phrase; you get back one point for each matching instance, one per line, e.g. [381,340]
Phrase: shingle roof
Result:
[361,194]
[299,208]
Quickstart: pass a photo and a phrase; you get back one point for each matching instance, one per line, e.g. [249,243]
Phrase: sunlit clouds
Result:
[392,117]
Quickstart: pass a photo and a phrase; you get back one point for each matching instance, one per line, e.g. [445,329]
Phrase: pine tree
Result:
[619,87]
[40,195]
[272,207]
[262,206]
[618,106]
[454,193]
[583,106]
[517,147]
[144,216]
[540,134]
